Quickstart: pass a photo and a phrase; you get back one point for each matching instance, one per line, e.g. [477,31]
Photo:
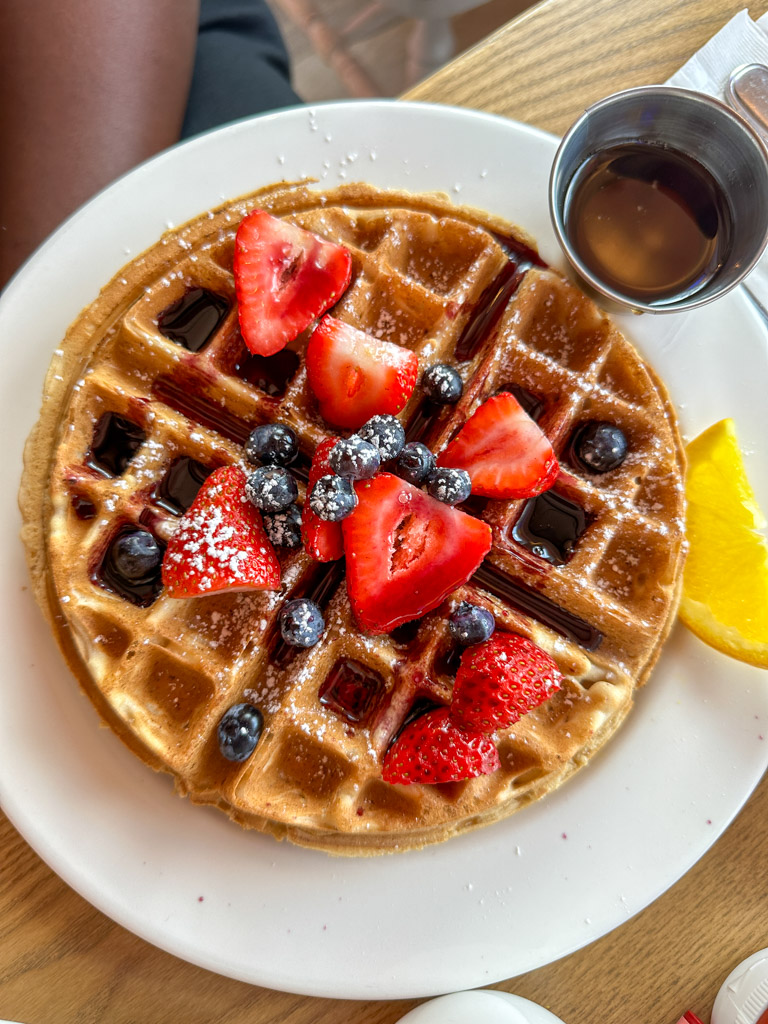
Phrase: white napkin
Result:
[740,41]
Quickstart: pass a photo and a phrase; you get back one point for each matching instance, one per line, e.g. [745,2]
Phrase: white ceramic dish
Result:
[480,908]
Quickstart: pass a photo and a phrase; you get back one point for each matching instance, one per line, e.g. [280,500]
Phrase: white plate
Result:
[480,908]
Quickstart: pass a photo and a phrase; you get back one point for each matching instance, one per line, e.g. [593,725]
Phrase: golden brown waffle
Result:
[453,285]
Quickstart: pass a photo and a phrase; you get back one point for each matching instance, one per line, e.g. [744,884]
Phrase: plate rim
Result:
[15,811]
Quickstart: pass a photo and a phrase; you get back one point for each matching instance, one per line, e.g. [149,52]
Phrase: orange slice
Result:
[725,585]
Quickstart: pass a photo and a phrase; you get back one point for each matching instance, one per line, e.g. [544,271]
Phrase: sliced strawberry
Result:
[355,376]
[323,540]
[433,749]
[505,453]
[284,278]
[406,552]
[500,680]
[220,543]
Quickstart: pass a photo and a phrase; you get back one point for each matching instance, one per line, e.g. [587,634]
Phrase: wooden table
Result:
[62,962]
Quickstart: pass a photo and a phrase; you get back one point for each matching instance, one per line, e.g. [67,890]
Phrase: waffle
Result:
[136,411]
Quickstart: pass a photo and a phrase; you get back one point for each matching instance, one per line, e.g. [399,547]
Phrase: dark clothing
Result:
[241,65]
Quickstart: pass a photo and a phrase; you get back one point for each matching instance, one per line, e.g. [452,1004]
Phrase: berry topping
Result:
[471,624]
[136,555]
[131,566]
[433,749]
[387,433]
[271,488]
[406,552]
[415,462]
[354,375]
[274,444]
[333,498]
[354,458]
[285,277]
[239,731]
[449,485]
[505,453]
[284,527]
[301,623]
[323,540]
[599,447]
[501,680]
[220,543]
[443,384]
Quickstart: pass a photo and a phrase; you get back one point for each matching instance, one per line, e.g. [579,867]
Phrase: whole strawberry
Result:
[433,749]
[500,680]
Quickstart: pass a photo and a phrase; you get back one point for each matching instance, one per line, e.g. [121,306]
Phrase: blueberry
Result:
[301,623]
[274,444]
[386,432]
[284,527]
[471,624]
[239,731]
[443,384]
[415,462]
[451,486]
[135,555]
[271,488]
[333,498]
[599,447]
[354,458]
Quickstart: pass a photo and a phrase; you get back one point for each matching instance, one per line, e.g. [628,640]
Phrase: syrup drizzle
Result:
[271,374]
[537,605]
[549,526]
[488,311]
[448,662]
[421,421]
[320,591]
[352,691]
[530,402]
[202,410]
[179,487]
[193,319]
[115,442]
[419,707]
[518,251]
[84,508]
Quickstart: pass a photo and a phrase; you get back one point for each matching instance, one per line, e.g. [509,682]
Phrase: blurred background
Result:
[356,48]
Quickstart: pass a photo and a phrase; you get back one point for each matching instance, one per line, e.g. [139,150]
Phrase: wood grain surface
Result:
[63,962]
[560,56]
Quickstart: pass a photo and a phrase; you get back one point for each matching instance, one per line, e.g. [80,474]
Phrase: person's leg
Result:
[241,65]
[87,91]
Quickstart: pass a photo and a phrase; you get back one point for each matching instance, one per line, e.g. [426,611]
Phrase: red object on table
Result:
[689,1017]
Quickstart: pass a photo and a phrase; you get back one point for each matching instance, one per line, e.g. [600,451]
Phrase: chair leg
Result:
[431,45]
[330,47]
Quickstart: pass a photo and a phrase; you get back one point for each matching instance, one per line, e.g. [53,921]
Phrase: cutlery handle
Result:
[747,92]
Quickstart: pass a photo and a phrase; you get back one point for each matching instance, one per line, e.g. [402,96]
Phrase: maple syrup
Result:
[352,691]
[537,605]
[549,526]
[193,319]
[179,487]
[648,221]
[115,441]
